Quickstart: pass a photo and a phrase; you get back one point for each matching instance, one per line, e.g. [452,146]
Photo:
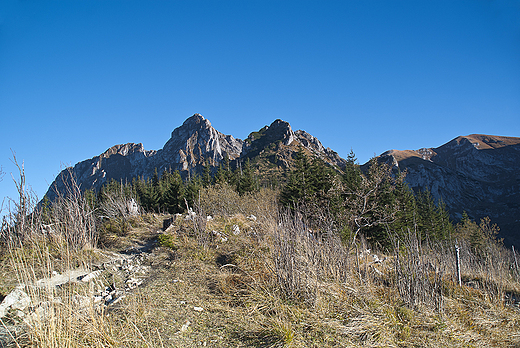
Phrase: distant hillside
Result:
[479,174]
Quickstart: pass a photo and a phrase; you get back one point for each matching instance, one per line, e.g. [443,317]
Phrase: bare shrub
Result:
[223,200]
[304,257]
[68,222]
[363,206]
[119,207]
[72,218]
[19,224]
[419,270]
[199,220]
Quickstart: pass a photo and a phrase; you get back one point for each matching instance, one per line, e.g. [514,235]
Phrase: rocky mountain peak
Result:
[282,131]
[124,150]
[193,123]
[195,142]
[278,131]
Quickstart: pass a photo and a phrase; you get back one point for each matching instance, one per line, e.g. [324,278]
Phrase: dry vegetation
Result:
[237,280]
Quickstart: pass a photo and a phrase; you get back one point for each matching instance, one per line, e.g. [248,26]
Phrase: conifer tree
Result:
[192,188]
[220,175]
[406,208]
[246,181]
[297,188]
[352,174]
[172,199]
[207,180]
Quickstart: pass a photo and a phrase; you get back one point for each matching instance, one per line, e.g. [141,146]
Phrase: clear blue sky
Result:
[77,77]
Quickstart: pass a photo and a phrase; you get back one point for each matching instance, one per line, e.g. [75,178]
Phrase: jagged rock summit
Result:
[192,145]
[194,142]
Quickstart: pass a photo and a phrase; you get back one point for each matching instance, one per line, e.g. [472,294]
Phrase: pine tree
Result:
[192,188]
[297,189]
[246,182]
[172,199]
[221,175]
[406,208]
[352,175]
[207,180]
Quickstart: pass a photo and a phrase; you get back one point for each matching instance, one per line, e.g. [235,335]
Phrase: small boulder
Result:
[185,327]
[17,299]
[167,223]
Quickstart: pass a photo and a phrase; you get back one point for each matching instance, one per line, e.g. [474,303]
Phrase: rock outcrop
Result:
[279,141]
[195,142]
[120,162]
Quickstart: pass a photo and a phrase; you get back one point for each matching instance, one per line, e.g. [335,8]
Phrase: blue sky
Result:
[77,77]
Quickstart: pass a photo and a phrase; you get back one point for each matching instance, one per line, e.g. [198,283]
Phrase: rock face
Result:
[191,145]
[479,174]
[194,142]
[279,143]
[120,162]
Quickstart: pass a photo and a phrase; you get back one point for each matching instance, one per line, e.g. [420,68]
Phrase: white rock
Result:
[198,309]
[90,276]
[364,253]
[209,218]
[59,279]
[97,299]
[117,300]
[184,327]
[17,299]
[191,214]
[80,301]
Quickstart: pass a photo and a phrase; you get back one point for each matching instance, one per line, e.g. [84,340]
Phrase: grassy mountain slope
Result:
[265,281]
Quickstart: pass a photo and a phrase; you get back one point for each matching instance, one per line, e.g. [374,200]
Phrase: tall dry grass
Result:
[223,200]
[305,257]
[39,241]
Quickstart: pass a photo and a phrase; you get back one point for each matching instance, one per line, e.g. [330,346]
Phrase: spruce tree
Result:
[172,199]
[297,189]
[352,175]
[192,188]
[246,182]
[207,180]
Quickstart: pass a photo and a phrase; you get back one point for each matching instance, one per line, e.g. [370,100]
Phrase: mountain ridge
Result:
[191,146]
[478,174]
